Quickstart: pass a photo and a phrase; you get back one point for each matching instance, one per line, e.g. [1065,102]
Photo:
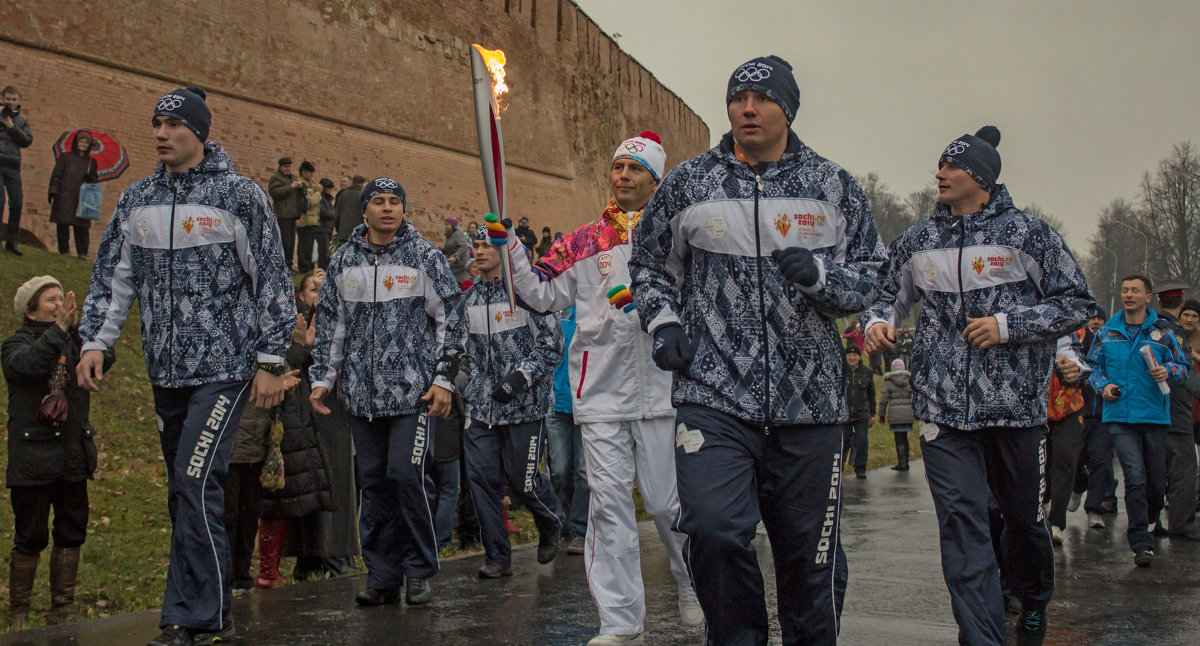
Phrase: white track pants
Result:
[614,452]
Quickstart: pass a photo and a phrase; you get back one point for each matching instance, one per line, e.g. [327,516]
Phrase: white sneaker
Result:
[616,640]
[1076,499]
[689,607]
[1056,535]
[1095,520]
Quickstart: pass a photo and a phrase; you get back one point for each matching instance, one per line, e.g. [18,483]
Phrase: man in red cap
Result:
[1181,447]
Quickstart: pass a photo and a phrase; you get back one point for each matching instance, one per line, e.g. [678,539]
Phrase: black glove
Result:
[798,265]
[509,388]
[672,350]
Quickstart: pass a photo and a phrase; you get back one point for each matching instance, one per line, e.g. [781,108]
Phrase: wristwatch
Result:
[276,369]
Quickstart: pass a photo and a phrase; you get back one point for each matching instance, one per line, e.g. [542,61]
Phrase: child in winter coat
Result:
[895,406]
[51,453]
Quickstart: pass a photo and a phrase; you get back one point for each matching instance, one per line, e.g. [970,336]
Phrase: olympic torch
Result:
[487,73]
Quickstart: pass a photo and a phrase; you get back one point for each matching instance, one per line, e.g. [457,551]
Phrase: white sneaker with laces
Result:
[1056,535]
[617,640]
[1076,499]
[689,607]
[1095,520]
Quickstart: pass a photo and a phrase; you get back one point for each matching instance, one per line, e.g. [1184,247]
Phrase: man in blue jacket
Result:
[389,337]
[196,245]
[741,263]
[1000,287]
[1137,411]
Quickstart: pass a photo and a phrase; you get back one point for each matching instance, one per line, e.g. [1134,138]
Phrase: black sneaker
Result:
[174,636]
[418,593]
[377,597]
[495,570]
[548,547]
[1031,628]
[1011,605]
[860,475]
[207,638]
[1108,507]
[1143,556]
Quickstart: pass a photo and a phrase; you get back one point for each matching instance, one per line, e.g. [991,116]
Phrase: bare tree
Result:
[920,203]
[1170,214]
[1114,251]
[891,218]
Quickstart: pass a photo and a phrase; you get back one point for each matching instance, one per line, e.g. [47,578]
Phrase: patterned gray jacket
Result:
[200,252]
[767,350]
[997,262]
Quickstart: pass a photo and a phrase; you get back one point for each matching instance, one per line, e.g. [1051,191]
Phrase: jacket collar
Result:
[1117,322]
[1000,202]
[216,160]
[403,234]
[795,152]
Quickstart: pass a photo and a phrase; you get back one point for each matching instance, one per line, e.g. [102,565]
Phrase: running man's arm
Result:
[444,304]
[329,343]
[897,292]
[1095,359]
[273,292]
[851,285]
[1066,299]
[112,288]
[547,347]
[550,285]
[654,284]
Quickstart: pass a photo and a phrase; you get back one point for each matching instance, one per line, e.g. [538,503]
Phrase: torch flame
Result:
[494,59]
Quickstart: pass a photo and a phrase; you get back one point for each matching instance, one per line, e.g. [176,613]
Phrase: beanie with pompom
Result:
[977,155]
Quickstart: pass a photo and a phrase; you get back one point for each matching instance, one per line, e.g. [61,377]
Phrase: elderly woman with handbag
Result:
[51,451]
[71,172]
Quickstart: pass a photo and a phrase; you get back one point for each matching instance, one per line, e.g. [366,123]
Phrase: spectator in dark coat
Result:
[71,170]
[860,400]
[244,491]
[325,227]
[284,189]
[15,134]
[525,234]
[49,460]
[324,543]
[348,210]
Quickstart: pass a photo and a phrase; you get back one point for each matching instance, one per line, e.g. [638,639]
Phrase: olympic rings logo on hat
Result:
[633,146]
[386,183]
[754,73]
[170,102]
[957,147]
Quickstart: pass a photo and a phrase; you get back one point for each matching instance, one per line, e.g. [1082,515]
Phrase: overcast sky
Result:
[1088,95]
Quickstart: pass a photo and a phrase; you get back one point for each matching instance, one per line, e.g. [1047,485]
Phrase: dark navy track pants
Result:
[197,425]
[965,469]
[731,474]
[395,522]
[498,453]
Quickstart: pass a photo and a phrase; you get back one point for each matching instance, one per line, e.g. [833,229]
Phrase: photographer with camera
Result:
[14,135]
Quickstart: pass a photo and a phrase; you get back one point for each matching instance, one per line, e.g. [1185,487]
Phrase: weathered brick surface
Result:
[354,86]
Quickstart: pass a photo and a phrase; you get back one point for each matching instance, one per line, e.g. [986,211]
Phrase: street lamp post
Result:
[1146,241]
[1113,290]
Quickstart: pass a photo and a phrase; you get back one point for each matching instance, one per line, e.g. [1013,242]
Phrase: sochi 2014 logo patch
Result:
[188,223]
[977,265]
[604,263]
[143,227]
[782,224]
[716,227]
[930,270]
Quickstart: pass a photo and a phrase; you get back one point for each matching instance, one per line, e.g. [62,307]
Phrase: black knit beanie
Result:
[770,75]
[379,186]
[188,106]
[977,155]
[1191,304]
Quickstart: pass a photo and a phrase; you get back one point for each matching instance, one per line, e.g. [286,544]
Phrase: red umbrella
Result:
[110,156]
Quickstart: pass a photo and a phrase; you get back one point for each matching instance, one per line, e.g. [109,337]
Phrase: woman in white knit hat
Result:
[51,453]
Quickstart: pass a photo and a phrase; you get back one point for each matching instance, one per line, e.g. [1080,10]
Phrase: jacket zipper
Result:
[374,306]
[762,309]
[491,365]
[171,284]
[962,297]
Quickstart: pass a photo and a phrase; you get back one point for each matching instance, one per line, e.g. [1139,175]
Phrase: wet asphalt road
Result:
[896,595]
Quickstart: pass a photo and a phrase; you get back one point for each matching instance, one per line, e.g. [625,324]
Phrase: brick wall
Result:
[354,86]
